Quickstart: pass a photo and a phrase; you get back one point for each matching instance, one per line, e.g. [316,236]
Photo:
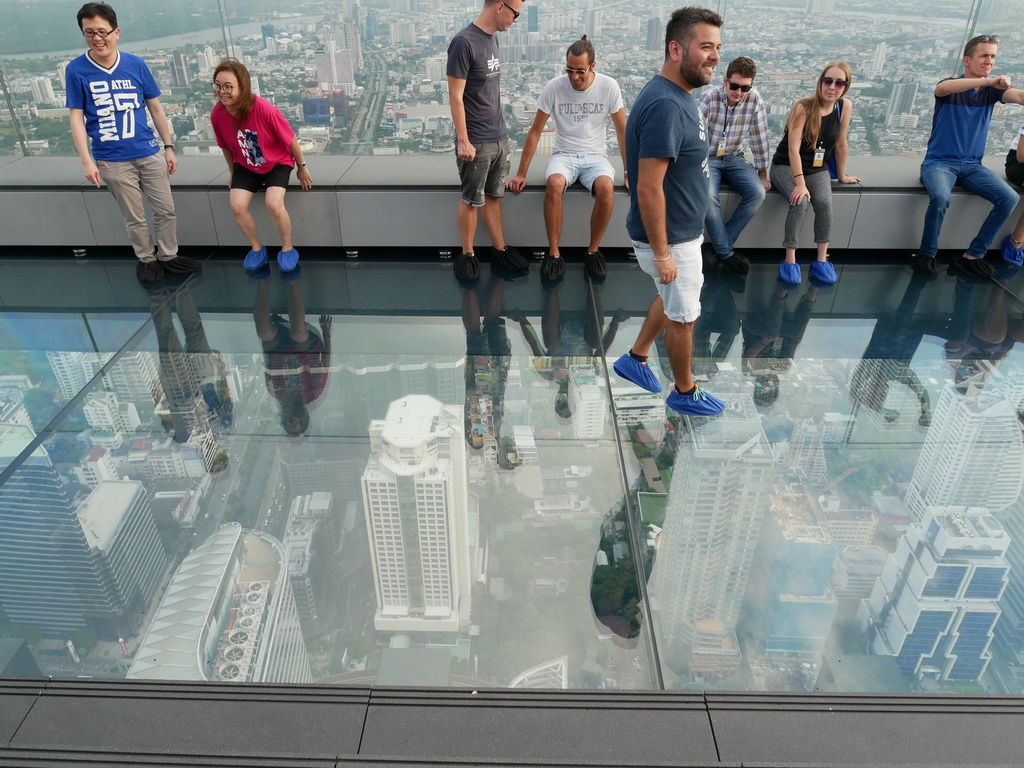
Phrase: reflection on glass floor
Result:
[373,474]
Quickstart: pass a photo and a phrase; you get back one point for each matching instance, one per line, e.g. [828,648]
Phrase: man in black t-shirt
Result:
[482,147]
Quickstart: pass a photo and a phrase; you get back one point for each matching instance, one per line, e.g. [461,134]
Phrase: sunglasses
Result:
[515,13]
[580,72]
[831,80]
[737,87]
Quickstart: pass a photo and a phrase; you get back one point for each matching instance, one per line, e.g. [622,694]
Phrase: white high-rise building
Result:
[878,60]
[414,494]
[635,407]
[972,455]
[106,414]
[807,452]
[96,467]
[68,370]
[718,498]
[403,33]
[42,91]
[936,605]
[586,403]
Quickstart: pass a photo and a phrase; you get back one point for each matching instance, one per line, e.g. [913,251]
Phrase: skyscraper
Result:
[586,402]
[972,455]
[935,606]
[414,496]
[718,498]
[901,101]
[655,34]
[180,77]
[62,570]
[532,18]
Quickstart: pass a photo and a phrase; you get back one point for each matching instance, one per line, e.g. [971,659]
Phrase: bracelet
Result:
[664,259]
[797,176]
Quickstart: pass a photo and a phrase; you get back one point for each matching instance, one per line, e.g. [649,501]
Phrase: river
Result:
[210,35]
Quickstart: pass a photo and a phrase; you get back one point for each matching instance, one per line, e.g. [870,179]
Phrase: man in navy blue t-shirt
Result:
[108,93]
[667,163]
[963,111]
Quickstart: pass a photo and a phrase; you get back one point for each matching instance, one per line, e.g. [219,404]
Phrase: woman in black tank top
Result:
[815,133]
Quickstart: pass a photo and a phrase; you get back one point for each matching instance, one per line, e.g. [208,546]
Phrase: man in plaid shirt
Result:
[732,110]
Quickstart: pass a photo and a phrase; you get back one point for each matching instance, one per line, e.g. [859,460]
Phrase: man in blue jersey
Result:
[108,93]
[963,111]
[667,164]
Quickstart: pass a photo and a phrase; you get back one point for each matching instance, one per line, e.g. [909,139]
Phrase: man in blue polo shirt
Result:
[667,164]
[963,111]
[108,93]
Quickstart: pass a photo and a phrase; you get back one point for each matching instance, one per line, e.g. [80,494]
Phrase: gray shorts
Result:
[487,173]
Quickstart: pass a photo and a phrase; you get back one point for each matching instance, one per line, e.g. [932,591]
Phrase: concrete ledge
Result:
[409,202]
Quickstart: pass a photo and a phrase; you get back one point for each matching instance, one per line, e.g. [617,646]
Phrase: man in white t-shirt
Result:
[581,102]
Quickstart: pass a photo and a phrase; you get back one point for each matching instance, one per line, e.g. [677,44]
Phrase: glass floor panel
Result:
[373,474]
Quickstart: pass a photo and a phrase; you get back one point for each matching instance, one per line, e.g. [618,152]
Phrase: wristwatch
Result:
[168,146]
[302,165]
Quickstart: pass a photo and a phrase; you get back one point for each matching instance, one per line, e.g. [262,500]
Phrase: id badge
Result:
[721,150]
[819,157]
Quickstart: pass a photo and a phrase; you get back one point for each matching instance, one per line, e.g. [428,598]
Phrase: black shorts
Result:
[1014,168]
[243,178]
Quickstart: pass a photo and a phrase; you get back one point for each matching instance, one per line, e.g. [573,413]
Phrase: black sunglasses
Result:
[515,13]
[737,87]
[830,81]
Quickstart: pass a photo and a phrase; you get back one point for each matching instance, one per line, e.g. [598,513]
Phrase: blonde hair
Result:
[813,105]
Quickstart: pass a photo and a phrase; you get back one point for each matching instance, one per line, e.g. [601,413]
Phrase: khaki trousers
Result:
[134,181]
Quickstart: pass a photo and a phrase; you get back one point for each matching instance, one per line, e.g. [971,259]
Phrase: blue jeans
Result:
[742,177]
[939,177]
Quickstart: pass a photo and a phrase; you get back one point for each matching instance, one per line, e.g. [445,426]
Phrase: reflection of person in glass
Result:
[568,338]
[297,358]
[260,149]
[771,336]
[990,339]
[892,346]
[193,376]
[487,359]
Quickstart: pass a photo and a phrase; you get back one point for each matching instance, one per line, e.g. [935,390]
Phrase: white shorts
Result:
[585,168]
[681,297]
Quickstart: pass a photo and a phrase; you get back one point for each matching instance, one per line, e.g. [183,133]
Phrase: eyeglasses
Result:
[832,80]
[225,87]
[102,34]
[580,72]
[515,13]
[737,87]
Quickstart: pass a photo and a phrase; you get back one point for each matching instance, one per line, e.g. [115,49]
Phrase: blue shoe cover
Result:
[255,259]
[790,273]
[1011,253]
[637,372]
[700,403]
[287,260]
[823,272]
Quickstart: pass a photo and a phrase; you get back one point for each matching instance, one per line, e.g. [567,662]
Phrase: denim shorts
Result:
[681,297]
[487,173]
[585,168]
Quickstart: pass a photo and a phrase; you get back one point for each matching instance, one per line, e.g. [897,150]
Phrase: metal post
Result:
[14,115]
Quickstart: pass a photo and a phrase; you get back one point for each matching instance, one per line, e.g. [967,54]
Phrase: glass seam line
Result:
[7,472]
[631,526]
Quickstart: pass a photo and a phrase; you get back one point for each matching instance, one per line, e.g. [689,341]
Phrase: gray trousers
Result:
[134,181]
[819,185]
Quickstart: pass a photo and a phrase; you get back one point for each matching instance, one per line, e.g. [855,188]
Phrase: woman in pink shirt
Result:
[260,149]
